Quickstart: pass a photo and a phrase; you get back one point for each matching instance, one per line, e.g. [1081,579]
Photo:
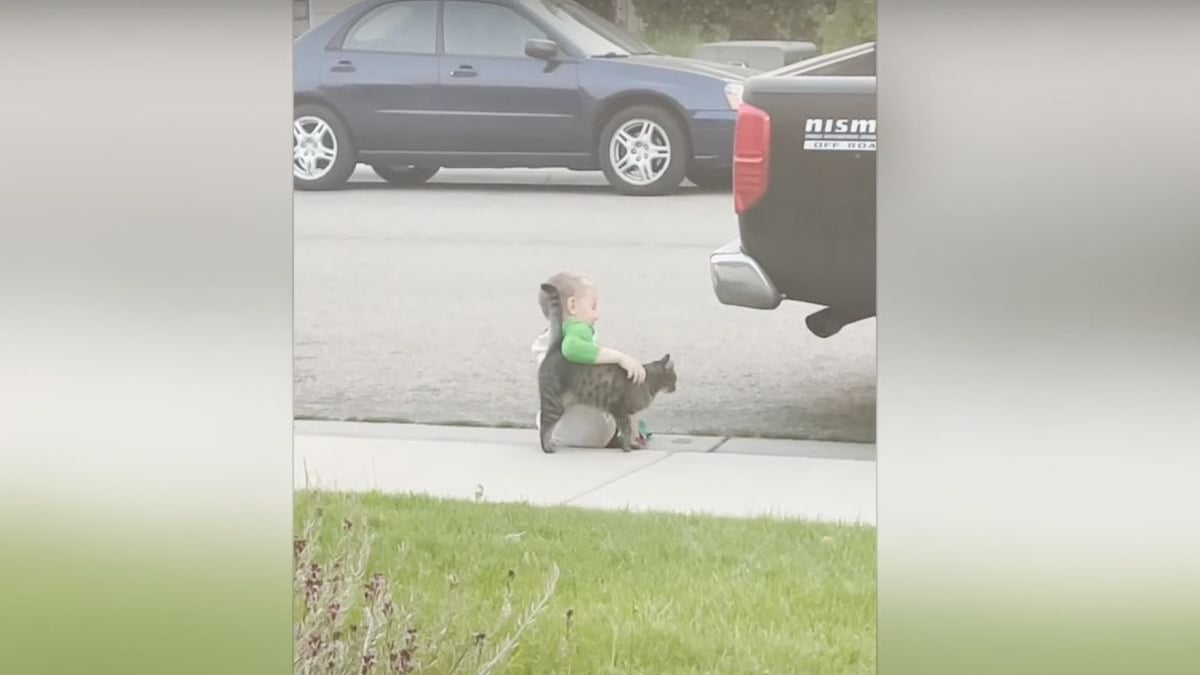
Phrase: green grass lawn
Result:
[636,593]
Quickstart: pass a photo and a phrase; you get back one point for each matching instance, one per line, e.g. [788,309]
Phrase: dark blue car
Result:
[410,86]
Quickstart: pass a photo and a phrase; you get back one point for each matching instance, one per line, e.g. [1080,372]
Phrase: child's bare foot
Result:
[638,442]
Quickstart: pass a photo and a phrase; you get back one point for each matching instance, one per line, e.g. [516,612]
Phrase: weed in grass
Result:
[340,631]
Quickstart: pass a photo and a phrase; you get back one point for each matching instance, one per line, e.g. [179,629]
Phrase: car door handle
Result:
[343,66]
[464,71]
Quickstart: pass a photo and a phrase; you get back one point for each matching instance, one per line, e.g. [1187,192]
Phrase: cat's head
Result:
[666,380]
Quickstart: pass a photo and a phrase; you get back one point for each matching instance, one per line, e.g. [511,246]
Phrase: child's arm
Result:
[577,347]
[633,368]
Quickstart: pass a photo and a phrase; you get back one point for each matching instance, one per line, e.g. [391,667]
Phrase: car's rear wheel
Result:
[323,156]
[644,150]
[404,176]
[712,179]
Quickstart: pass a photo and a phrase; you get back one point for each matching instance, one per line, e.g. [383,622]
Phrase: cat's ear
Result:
[666,361]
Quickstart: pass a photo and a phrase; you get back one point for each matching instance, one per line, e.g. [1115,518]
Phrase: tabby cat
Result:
[607,387]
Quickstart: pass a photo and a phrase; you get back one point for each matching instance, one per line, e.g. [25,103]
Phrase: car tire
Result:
[712,179]
[404,176]
[644,150]
[323,154]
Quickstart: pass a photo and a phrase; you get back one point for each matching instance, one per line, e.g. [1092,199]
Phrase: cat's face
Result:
[668,381]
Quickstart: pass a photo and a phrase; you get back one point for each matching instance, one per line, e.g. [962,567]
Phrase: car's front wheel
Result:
[644,151]
[404,176]
[323,156]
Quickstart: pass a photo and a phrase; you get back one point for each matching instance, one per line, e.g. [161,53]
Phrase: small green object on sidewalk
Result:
[644,429]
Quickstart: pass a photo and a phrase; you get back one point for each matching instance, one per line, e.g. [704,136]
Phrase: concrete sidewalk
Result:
[681,474]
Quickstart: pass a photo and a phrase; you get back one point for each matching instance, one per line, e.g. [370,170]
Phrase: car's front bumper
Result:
[739,280]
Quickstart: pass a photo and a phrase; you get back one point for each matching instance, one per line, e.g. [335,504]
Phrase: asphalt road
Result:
[420,305]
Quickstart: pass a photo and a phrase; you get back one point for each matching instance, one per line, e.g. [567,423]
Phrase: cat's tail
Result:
[554,313]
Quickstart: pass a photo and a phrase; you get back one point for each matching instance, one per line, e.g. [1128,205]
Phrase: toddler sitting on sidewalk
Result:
[582,426]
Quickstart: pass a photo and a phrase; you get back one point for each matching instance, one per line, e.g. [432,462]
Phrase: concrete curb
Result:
[672,443]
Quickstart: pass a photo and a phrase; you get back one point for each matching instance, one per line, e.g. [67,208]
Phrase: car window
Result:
[408,27]
[482,29]
[590,32]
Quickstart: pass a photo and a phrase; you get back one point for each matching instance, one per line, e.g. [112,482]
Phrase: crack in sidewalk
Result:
[721,442]
[614,479]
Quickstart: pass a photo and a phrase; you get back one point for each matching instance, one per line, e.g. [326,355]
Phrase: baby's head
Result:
[578,296]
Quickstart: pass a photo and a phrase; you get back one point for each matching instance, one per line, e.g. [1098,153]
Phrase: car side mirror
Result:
[546,50]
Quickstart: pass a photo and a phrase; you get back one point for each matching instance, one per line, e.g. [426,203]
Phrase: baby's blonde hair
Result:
[569,285]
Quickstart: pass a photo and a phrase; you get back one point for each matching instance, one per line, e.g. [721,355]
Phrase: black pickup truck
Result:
[804,191]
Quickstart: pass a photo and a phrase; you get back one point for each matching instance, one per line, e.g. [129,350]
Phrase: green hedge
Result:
[605,8]
[735,19]
[830,24]
[852,22]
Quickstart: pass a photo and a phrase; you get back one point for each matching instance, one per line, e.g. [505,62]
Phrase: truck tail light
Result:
[751,156]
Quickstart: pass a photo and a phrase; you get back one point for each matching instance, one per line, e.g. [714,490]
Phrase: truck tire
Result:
[644,150]
[323,155]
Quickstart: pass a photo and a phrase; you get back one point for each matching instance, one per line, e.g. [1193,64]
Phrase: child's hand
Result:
[633,369]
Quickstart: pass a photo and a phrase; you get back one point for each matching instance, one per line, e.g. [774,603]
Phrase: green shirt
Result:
[579,342]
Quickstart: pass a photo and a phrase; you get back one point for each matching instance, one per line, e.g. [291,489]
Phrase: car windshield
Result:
[592,33]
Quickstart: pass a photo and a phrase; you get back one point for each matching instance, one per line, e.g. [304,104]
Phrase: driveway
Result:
[419,304]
